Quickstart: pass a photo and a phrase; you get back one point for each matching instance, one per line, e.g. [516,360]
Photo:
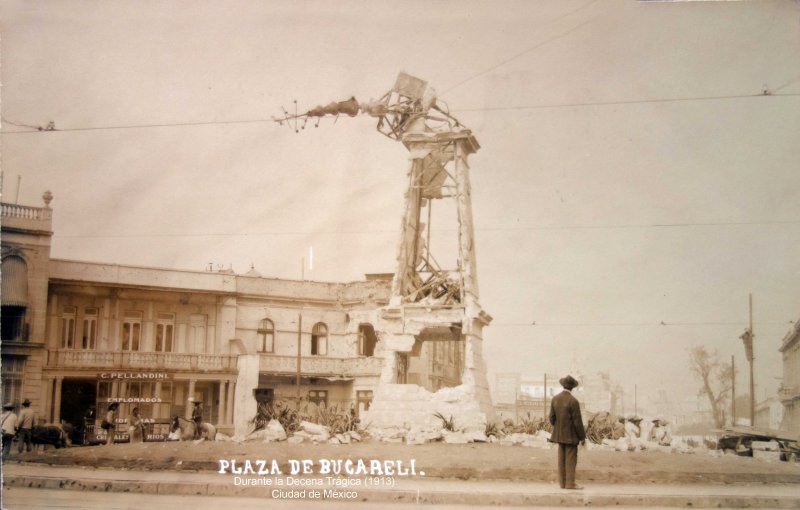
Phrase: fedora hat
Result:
[26,402]
[568,382]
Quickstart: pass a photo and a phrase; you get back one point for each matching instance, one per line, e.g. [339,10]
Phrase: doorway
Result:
[77,396]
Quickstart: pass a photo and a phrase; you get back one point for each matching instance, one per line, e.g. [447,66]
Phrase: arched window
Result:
[319,339]
[266,336]
[14,297]
[366,340]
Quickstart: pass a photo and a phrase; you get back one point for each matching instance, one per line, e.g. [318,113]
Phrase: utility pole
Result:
[752,362]
[299,353]
[733,391]
[747,338]
[544,412]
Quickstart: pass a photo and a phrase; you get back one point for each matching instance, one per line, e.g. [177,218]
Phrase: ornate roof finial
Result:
[47,196]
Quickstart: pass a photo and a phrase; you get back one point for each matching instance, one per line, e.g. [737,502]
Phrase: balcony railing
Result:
[322,366]
[788,393]
[141,360]
[26,212]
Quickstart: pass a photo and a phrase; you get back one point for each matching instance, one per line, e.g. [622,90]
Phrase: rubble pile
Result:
[541,439]
[605,426]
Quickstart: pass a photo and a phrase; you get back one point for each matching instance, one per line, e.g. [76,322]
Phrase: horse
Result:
[188,427]
[51,434]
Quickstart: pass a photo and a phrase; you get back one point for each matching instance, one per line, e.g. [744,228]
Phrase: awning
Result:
[14,278]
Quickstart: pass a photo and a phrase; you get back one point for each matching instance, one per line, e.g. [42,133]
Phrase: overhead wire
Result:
[37,130]
[528,50]
[477,229]
[637,324]
[620,102]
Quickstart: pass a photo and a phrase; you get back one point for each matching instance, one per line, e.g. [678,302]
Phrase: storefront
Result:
[83,401]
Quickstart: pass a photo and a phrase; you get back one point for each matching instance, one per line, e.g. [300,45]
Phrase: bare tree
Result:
[716,378]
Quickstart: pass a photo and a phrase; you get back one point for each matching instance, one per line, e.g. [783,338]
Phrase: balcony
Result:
[25,218]
[788,393]
[321,366]
[67,358]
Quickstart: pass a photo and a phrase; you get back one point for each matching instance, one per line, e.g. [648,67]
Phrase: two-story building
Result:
[24,274]
[78,336]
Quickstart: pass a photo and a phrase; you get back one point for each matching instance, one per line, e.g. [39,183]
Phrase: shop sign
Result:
[134,376]
[135,400]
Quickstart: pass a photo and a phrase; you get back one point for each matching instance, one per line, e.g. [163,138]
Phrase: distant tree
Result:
[715,377]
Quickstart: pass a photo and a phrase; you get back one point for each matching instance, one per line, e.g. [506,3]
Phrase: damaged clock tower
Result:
[430,333]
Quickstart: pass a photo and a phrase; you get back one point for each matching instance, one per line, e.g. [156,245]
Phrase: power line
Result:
[37,130]
[634,324]
[534,47]
[479,229]
[135,126]
[617,103]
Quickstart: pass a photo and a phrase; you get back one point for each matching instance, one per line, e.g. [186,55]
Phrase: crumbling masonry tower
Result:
[432,309]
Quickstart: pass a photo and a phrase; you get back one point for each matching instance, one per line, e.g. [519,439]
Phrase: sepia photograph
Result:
[378,254]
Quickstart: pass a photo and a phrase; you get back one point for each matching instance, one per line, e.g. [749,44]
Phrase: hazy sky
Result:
[631,169]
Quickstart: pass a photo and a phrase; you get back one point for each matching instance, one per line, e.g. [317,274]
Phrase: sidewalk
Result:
[408,490]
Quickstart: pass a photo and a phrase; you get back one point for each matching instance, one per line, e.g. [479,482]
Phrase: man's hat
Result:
[8,405]
[26,402]
[568,382]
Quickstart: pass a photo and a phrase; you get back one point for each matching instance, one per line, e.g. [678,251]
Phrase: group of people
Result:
[135,424]
[18,426]
[565,416]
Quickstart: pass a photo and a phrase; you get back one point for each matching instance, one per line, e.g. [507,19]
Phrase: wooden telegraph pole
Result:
[747,338]
[752,362]
[299,353]
[733,392]
[545,412]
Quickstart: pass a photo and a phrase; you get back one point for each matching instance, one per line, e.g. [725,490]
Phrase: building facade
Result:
[26,235]
[78,336]
[789,391]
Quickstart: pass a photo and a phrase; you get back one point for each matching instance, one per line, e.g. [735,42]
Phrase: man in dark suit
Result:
[568,432]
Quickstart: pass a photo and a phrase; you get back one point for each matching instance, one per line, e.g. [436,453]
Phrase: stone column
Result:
[48,399]
[57,400]
[189,394]
[229,409]
[244,403]
[221,407]
[466,235]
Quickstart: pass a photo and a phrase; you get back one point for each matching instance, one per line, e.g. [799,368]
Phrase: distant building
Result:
[769,413]
[599,393]
[519,397]
[789,391]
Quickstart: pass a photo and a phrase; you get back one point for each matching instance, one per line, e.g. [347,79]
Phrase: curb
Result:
[532,475]
[432,497]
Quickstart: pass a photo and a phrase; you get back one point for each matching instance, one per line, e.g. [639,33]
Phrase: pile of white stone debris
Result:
[626,434]
[308,432]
